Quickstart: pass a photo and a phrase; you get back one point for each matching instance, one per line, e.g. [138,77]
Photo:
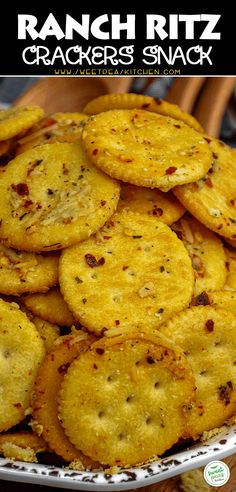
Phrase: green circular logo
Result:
[216,473]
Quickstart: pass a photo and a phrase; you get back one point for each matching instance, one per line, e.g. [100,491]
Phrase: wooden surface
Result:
[172,485]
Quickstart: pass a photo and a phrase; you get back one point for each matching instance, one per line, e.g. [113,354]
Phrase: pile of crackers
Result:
[117,282]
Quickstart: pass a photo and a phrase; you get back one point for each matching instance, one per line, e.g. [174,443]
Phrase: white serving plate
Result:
[217,448]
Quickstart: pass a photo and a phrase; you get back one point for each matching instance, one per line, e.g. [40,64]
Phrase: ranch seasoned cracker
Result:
[146,149]
[128,274]
[52,197]
[18,119]
[50,307]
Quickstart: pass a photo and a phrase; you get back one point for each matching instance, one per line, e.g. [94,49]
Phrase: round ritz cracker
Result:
[208,338]
[116,401]
[22,272]
[18,119]
[212,200]
[51,197]
[206,252]
[139,101]
[146,149]
[128,274]
[57,127]
[163,206]
[50,307]
[21,352]
[44,401]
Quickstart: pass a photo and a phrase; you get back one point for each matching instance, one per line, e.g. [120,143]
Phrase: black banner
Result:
[36,41]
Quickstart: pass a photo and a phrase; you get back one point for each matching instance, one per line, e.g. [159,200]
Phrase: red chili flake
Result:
[150,360]
[202,299]
[232,202]
[95,151]
[209,183]
[208,140]
[63,368]
[100,351]
[103,202]
[21,189]
[179,235]
[107,237]
[171,170]
[209,325]
[65,170]
[27,203]
[124,268]
[215,155]
[95,366]
[162,268]
[219,227]
[92,261]
[146,105]
[157,100]
[84,300]
[224,392]
[227,266]
[17,405]
[117,322]
[157,211]
[48,122]
[200,410]
[177,126]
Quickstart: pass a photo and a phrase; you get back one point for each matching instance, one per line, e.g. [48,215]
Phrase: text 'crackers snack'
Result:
[116,400]
[127,275]
[208,339]
[51,197]
[21,352]
[146,149]
[212,199]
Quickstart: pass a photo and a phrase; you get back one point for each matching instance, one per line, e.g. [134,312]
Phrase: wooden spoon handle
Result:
[184,92]
[212,103]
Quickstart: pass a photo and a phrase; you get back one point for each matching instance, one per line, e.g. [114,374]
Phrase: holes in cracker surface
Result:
[101,414]
[121,436]
[149,420]
[156,384]
[129,398]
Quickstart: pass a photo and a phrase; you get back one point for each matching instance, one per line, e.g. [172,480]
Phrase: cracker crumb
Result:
[14,452]
[214,212]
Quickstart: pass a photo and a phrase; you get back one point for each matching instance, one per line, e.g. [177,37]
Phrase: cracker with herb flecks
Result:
[206,252]
[22,272]
[208,338]
[50,307]
[128,274]
[116,403]
[47,386]
[52,197]
[18,119]
[22,351]
[146,149]
[139,101]
[57,127]
[212,200]
[163,206]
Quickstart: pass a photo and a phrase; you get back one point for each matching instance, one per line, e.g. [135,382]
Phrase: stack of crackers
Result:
[117,282]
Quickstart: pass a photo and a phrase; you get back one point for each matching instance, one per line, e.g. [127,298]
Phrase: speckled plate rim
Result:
[219,447]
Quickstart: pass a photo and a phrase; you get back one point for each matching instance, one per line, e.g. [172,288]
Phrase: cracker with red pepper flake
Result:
[17,119]
[49,332]
[139,101]
[145,148]
[206,252]
[22,272]
[47,386]
[116,403]
[50,307]
[52,197]
[128,274]
[212,199]
[57,127]
[22,351]
[208,338]
[163,206]
[224,299]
